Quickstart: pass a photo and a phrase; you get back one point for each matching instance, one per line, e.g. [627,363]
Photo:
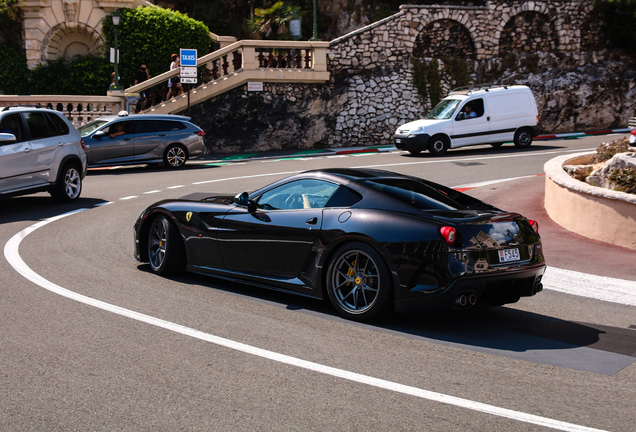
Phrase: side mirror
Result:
[99,134]
[7,137]
[242,199]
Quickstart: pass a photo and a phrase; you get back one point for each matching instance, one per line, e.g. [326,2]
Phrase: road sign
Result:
[188,80]
[188,71]
[188,57]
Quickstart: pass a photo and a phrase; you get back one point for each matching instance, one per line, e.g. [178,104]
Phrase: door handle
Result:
[488,118]
[27,150]
[127,139]
[312,221]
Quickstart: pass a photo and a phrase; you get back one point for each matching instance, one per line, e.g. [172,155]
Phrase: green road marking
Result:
[241,156]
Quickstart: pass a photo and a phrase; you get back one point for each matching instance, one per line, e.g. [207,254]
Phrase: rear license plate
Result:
[508,255]
[398,141]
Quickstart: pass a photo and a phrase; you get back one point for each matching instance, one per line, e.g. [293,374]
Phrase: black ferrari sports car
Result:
[371,241]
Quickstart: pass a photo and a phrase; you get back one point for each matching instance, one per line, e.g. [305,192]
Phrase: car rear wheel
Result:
[438,145]
[69,184]
[358,282]
[523,137]
[165,248]
[496,145]
[175,156]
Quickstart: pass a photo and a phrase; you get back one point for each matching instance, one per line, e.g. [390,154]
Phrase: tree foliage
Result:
[150,35]
[272,22]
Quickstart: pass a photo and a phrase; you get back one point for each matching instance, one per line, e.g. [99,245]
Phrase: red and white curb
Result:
[582,134]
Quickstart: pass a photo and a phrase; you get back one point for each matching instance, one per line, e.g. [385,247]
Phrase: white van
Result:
[471,116]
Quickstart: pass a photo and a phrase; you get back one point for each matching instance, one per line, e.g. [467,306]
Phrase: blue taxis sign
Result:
[188,57]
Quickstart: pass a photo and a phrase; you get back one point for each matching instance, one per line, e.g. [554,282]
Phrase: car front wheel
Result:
[165,248]
[438,145]
[69,184]
[175,156]
[358,282]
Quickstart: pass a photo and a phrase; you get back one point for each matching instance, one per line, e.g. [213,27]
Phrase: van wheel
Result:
[496,145]
[438,145]
[415,152]
[523,137]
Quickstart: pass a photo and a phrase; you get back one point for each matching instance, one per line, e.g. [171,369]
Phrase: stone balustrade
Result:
[78,109]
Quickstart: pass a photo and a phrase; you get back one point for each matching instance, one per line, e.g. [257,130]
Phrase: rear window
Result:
[417,194]
[58,126]
[172,125]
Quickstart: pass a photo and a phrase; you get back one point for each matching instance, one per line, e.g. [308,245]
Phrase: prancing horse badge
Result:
[188,216]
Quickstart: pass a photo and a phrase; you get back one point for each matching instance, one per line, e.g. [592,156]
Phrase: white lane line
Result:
[152,192]
[490,182]
[13,257]
[128,198]
[591,286]
[247,176]
[175,187]
[512,155]
[336,156]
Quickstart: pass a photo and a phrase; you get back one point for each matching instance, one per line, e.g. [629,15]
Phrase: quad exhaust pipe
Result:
[466,300]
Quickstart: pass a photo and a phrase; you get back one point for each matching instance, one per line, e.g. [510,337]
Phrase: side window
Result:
[37,124]
[149,126]
[119,128]
[472,109]
[57,125]
[12,124]
[344,197]
[297,195]
[172,125]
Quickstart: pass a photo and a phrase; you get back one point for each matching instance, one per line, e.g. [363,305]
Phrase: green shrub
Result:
[14,72]
[150,35]
[625,179]
[84,75]
[607,150]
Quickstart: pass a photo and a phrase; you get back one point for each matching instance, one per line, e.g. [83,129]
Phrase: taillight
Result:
[537,120]
[634,132]
[83,143]
[200,133]
[535,225]
[449,234]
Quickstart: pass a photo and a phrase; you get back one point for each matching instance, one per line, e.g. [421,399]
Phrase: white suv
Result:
[40,150]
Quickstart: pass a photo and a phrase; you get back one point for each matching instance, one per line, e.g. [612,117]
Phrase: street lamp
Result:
[314,36]
[116,16]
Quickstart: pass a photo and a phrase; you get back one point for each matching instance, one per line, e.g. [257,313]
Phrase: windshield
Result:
[444,110]
[88,128]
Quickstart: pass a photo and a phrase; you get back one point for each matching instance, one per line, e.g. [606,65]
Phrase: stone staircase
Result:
[239,63]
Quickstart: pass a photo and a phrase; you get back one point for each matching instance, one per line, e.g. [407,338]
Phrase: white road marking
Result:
[13,257]
[586,285]
[128,198]
[248,176]
[490,182]
[175,187]
[152,192]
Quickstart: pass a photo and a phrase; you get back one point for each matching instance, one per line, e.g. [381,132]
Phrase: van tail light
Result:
[537,119]
[83,143]
[633,132]
[200,133]
[535,225]
[449,234]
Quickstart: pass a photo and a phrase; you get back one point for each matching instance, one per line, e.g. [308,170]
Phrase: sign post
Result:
[188,69]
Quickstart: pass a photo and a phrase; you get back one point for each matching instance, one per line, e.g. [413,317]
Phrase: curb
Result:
[581,134]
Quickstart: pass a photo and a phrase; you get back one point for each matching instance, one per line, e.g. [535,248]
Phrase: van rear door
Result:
[509,111]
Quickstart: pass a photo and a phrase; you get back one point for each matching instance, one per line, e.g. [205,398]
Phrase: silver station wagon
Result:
[142,139]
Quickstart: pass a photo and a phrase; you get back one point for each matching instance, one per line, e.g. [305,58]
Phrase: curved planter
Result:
[594,212]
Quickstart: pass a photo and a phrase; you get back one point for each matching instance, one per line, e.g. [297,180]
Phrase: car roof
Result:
[144,117]
[22,108]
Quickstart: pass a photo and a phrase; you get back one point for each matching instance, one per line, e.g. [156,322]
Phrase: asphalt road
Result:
[92,340]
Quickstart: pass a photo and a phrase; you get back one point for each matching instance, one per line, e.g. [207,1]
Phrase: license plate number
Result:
[398,141]
[508,255]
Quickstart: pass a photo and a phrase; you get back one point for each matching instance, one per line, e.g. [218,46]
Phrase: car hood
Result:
[408,127]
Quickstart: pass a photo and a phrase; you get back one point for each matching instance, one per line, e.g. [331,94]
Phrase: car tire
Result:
[438,145]
[166,252]
[175,156]
[69,184]
[415,152]
[523,137]
[496,145]
[359,282]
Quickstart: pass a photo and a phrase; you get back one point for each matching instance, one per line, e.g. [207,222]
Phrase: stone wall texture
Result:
[555,47]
